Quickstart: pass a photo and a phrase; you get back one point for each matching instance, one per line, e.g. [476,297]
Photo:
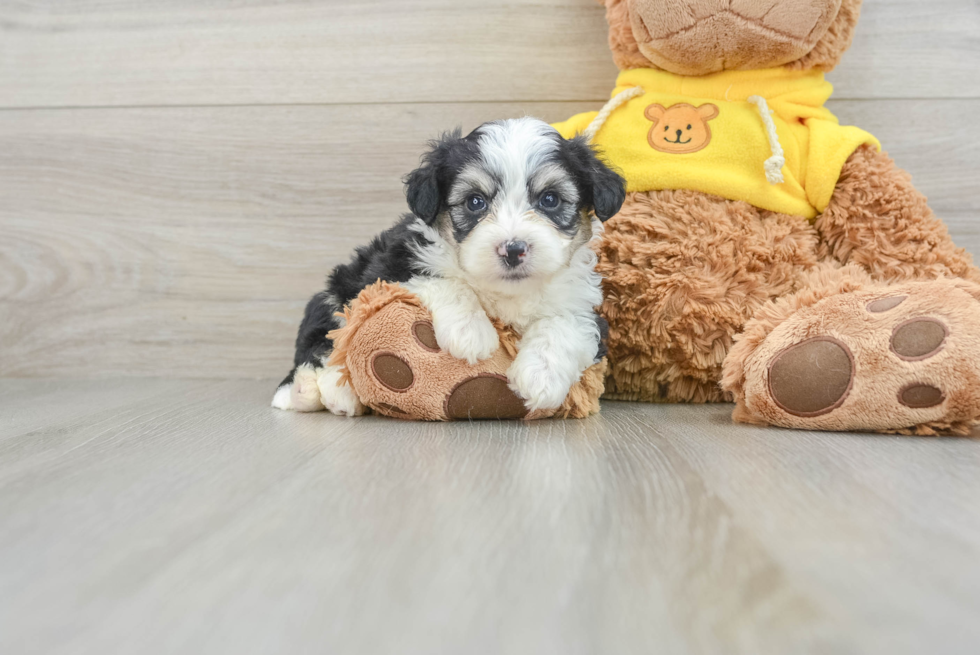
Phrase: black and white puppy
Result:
[501,226]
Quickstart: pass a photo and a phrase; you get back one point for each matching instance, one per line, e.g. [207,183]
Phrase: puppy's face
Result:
[515,199]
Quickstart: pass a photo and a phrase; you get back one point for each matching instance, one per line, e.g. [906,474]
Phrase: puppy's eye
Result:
[476,203]
[549,200]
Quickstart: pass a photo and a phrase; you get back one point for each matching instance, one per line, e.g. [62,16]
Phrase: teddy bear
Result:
[766,254]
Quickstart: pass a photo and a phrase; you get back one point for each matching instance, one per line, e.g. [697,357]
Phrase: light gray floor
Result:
[175,516]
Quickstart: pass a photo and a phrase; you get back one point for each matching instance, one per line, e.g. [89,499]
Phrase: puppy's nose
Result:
[513,252]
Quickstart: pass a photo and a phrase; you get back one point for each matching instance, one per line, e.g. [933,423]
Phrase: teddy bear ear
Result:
[707,111]
[654,112]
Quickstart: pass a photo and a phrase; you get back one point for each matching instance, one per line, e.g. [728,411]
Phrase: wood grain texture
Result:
[185,52]
[186,241]
[196,519]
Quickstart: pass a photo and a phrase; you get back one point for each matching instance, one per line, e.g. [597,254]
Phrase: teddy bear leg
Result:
[879,221]
[847,354]
[389,356]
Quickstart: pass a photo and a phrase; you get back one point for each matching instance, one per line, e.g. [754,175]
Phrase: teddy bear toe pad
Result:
[918,338]
[812,377]
[872,360]
[484,396]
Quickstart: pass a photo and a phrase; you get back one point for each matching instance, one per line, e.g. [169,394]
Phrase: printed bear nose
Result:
[679,133]
[513,252]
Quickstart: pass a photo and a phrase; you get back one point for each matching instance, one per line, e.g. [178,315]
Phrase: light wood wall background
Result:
[177,177]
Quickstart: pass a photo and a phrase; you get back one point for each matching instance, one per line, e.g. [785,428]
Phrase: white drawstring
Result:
[774,165]
[611,106]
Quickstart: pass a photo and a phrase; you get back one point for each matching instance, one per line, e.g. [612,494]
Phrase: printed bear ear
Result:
[655,112]
[708,111]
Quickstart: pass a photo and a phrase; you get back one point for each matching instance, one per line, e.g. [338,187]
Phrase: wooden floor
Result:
[178,516]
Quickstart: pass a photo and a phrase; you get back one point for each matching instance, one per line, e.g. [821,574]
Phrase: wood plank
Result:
[784,483]
[26,407]
[185,52]
[900,45]
[182,52]
[203,520]
[185,241]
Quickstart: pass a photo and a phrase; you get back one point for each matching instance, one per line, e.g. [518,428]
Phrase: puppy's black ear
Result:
[425,186]
[608,191]
[422,191]
[604,189]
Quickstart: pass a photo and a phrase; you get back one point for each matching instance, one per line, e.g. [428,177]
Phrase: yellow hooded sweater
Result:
[709,134]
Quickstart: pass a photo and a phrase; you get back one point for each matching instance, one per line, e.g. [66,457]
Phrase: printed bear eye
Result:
[688,127]
[549,200]
[476,203]
[666,127]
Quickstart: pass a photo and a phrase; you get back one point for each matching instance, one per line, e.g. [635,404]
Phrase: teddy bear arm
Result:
[878,220]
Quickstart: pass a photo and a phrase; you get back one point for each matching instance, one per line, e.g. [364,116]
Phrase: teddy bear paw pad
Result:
[918,339]
[900,359]
[392,371]
[812,377]
[484,397]
[921,395]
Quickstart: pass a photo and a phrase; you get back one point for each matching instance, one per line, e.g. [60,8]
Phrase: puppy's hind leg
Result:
[311,386]
[299,391]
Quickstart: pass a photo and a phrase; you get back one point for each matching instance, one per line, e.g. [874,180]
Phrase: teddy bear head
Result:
[699,37]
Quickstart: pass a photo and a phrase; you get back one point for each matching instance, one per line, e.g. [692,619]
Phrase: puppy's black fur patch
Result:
[605,189]
[427,187]
[388,257]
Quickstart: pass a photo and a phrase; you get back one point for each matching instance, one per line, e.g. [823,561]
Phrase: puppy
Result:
[500,227]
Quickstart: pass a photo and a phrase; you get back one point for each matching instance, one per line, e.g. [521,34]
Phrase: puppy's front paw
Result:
[538,383]
[339,399]
[467,336]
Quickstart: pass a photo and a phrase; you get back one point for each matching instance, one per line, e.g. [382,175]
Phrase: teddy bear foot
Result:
[388,353]
[897,359]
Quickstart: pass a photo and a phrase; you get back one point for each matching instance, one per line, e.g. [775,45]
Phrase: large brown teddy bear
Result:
[766,254]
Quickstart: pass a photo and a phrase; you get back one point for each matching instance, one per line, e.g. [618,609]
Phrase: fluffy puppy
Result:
[500,227]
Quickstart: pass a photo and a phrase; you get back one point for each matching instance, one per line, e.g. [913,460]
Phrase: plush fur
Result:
[707,36]
[683,272]
[703,293]
[626,47]
[878,220]
[501,229]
